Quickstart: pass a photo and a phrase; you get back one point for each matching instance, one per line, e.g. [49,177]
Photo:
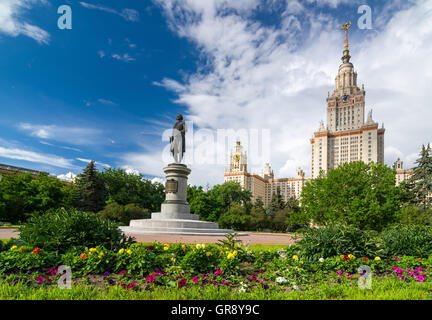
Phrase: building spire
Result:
[346,57]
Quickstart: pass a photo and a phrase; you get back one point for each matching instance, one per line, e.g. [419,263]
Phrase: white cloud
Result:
[96,162]
[127,14]
[71,135]
[13,24]
[124,58]
[158,180]
[31,156]
[67,177]
[259,76]
[107,102]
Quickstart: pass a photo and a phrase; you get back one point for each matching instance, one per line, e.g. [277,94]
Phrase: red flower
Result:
[345,257]
[181,282]
[36,250]
[365,259]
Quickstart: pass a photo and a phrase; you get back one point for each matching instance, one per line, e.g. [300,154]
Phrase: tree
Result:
[125,188]
[222,197]
[91,189]
[25,195]
[276,203]
[200,203]
[360,194]
[419,185]
[236,218]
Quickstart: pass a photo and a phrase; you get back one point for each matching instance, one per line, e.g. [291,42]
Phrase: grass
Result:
[382,289]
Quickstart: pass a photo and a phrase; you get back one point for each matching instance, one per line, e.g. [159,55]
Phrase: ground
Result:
[253,237]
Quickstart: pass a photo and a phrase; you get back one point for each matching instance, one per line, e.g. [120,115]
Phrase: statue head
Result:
[179,117]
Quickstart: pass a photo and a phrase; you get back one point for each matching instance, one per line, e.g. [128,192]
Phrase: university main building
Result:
[347,137]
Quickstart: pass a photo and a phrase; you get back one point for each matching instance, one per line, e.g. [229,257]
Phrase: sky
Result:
[109,89]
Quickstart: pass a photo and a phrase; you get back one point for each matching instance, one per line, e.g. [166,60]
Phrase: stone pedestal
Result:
[175,216]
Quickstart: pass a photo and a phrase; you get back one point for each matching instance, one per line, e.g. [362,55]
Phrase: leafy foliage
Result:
[63,229]
[360,194]
[419,185]
[123,214]
[91,189]
[337,239]
[412,240]
[125,188]
[24,195]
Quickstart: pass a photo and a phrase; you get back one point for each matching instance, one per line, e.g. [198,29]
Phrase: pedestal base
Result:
[175,226]
[175,216]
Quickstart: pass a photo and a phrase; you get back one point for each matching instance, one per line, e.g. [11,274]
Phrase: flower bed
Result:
[143,268]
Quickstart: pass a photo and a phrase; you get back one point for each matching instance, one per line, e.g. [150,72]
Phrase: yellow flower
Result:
[377,259]
[230,256]
[121,251]
[198,246]
[208,253]
[235,253]
[13,248]
[129,251]
[295,258]
[92,250]
[166,248]
[172,259]
[183,247]
[351,256]
[301,262]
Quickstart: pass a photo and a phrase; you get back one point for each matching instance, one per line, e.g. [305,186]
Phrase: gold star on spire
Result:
[345,27]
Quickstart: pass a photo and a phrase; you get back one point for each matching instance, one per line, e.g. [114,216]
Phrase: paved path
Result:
[254,238]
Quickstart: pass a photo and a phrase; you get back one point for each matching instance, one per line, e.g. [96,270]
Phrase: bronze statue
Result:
[177,140]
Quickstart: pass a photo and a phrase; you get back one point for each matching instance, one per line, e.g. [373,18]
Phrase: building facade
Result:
[261,185]
[347,136]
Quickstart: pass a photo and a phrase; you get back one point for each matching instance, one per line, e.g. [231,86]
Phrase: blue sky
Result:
[109,88]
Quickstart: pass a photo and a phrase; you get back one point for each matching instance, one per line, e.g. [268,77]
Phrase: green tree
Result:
[200,203]
[360,194]
[419,185]
[26,195]
[224,196]
[91,189]
[260,220]
[276,203]
[125,188]
[236,218]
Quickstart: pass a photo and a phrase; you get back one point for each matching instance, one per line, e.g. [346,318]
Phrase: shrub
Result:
[24,258]
[201,259]
[63,229]
[124,214]
[336,240]
[408,240]
[415,215]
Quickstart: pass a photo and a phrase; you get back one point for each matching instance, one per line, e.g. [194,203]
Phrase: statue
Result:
[177,140]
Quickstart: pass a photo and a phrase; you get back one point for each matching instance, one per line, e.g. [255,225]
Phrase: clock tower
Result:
[347,136]
[238,159]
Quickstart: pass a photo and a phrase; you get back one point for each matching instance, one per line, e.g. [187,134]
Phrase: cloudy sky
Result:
[110,88]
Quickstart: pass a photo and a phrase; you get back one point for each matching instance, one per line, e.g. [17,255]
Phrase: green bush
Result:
[63,229]
[124,214]
[408,240]
[25,259]
[201,259]
[415,215]
[337,239]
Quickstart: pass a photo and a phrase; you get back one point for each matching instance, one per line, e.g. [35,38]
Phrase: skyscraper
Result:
[347,136]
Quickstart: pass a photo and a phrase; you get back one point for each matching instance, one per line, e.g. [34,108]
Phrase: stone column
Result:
[175,205]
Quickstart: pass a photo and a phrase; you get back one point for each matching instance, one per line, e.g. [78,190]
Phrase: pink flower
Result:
[123,272]
[195,279]
[132,285]
[218,272]
[395,258]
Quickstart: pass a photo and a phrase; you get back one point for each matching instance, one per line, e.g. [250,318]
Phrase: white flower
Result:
[281,280]
[321,260]
[295,287]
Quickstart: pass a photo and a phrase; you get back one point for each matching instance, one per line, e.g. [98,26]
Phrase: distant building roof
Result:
[7,169]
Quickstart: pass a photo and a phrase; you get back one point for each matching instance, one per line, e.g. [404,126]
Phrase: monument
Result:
[175,216]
